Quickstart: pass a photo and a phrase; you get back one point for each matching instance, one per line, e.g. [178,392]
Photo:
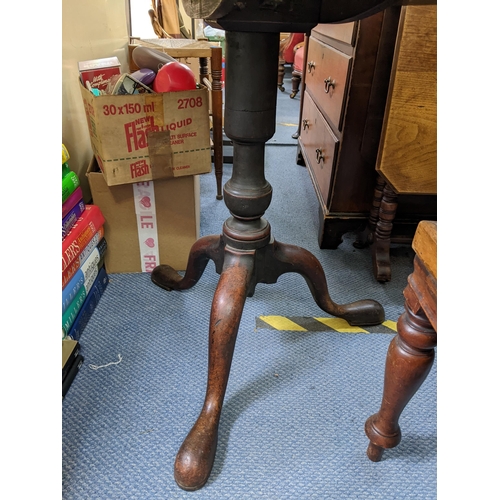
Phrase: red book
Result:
[72,269]
[81,233]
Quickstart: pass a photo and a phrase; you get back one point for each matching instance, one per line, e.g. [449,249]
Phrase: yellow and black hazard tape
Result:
[307,324]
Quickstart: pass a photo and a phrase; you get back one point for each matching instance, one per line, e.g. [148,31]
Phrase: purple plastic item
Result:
[144,75]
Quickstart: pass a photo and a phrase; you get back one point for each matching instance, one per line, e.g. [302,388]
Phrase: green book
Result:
[69,183]
[65,170]
[71,312]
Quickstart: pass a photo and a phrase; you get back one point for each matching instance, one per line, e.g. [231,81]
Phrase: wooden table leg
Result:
[216,71]
[216,95]
[366,237]
[409,359]
[281,74]
[382,238]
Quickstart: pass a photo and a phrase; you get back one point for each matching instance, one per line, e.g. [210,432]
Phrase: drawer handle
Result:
[319,156]
[310,66]
[305,124]
[329,83]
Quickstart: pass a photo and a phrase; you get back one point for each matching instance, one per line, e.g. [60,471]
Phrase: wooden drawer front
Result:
[343,32]
[318,141]
[325,64]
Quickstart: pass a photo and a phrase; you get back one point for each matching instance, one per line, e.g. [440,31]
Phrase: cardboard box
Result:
[147,137]
[98,72]
[147,223]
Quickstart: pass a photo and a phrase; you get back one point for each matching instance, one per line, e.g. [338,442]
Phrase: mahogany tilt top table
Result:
[246,253]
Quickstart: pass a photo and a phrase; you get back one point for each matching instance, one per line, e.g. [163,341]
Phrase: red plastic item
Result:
[174,76]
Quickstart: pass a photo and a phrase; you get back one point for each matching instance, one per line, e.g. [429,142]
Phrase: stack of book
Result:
[84,276]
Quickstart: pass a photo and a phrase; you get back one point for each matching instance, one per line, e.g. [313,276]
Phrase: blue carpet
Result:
[287,113]
[292,425]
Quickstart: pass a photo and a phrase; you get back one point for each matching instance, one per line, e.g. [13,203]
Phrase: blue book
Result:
[69,220]
[89,305]
[90,266]
[73,309]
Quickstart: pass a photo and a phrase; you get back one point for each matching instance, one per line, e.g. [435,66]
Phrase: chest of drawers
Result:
[345,87]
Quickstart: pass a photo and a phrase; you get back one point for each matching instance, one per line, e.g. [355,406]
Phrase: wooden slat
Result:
[179,47]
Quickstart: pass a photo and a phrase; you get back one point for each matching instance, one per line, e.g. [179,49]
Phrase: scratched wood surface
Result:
[407,157]
[425,245]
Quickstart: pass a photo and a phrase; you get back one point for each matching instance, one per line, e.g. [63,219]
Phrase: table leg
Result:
[409,359]
[196,455]
[381,245]
[216,71]
[246,253]
[366,237]
[216,97]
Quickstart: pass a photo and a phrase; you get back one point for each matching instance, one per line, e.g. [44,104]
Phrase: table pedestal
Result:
[245,253]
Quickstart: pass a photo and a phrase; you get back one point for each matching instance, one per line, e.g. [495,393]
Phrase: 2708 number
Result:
[190,102]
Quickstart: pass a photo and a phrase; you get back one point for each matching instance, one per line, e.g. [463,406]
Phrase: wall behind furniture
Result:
[140,22]
[91,29]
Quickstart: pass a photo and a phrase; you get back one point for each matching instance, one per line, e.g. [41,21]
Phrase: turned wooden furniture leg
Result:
[216,94]
[216,70]
[411,353]
[281,74]
[203,69]
[366,237]
[246,253]
[409,360]
[382,238]
[296,78]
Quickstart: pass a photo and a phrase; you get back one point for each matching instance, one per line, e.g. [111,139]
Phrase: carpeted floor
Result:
[292,425]
[287,113]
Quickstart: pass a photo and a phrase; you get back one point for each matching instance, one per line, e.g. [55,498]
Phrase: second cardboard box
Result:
[147,223]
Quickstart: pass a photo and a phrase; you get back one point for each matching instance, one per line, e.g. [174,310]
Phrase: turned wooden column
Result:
[411,353]
[366,237]
[216,72]
[381,246]
[215,86]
